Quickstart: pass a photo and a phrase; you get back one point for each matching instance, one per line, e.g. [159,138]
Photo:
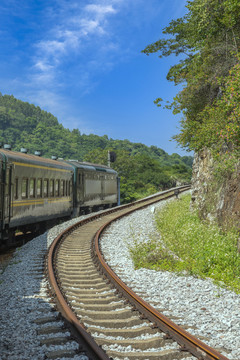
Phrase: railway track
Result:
[114,322]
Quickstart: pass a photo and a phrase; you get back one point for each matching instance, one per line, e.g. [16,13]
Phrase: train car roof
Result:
[91,167]
[18,157]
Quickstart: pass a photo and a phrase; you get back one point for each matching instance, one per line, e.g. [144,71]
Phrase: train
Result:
[35,191]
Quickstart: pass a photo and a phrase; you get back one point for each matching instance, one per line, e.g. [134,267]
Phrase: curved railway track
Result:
[114,322]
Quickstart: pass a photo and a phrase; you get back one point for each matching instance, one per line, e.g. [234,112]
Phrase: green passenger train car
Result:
[35,190]
[95,186]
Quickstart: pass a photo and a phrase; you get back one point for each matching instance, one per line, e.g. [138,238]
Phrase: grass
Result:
[188,245]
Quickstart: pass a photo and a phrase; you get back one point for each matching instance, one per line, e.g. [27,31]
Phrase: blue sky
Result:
[81,60]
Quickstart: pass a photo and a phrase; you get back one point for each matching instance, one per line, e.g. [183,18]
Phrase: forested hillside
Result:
[143,170]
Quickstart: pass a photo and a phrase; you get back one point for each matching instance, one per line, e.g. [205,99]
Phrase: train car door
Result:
[1,195]
[81,187]
[102,178]
[7,194]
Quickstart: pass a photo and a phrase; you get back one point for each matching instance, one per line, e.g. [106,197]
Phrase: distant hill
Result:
[143,169]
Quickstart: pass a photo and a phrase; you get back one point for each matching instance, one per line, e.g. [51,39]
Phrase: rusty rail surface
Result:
[186,340]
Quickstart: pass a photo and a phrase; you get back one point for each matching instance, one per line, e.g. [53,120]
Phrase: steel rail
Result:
[66,311]
[187,341]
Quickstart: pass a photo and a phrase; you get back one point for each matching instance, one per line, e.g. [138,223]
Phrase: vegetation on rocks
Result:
[187,245]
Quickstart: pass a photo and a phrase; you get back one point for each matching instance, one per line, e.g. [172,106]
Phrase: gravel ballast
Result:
[24,298]
[205,309]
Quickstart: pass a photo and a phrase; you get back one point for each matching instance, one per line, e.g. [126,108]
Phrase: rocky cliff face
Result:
[217,199]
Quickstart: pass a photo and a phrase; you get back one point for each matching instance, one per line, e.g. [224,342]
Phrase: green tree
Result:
[208,39]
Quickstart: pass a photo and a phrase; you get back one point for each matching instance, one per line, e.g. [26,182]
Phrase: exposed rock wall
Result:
[217,199]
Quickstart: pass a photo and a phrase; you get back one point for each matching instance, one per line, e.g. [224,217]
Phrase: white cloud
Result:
[80,41]
[75,28]
[51,47]
[100,10]
[42,66]
[89,27]
[71,38]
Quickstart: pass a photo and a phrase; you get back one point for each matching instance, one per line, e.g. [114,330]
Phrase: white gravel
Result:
[209,312]
[23,298]
[198,303]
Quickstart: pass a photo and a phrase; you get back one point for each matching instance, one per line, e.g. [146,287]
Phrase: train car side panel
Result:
[2,176]
[91,186]
[34,190]
[40,194]
[38,189]
[110,189]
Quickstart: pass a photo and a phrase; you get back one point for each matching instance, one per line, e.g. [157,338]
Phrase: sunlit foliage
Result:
[207,40]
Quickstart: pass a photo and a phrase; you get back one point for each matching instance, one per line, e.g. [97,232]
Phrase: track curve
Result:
[88,292]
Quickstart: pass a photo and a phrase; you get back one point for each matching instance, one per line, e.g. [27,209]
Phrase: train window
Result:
[24,188]
[39,188]
[32,188]
[62,187]
[16,188]
[45,188]
[51,187]
[57,187]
